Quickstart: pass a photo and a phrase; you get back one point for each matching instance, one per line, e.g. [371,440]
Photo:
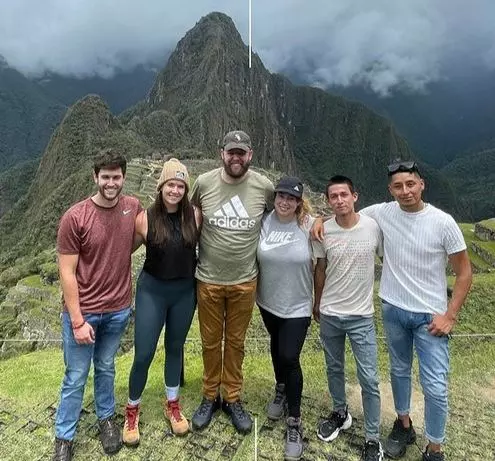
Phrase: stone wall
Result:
[484,233]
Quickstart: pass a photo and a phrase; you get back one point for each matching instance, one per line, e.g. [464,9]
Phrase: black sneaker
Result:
[433,455]
[240,418]
[110,436]
[63,450]
[399,438]
[203,414]
[329,429]
[372,451]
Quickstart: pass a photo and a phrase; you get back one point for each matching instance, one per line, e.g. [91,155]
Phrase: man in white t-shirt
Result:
[343,304]
[418,241]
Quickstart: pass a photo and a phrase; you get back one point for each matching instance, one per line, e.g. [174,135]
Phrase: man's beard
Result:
[244,167]
[104,193]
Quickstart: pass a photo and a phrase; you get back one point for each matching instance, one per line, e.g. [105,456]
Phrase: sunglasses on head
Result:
[406,166]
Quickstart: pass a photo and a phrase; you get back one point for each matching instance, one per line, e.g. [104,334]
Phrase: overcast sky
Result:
[383,43]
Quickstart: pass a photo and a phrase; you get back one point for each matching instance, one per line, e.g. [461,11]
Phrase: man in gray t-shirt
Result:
[343,305]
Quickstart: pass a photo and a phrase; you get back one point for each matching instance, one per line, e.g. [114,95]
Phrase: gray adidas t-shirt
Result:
[285,280]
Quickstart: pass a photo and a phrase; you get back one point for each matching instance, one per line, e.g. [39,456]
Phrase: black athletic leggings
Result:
[286,341]
[158,304]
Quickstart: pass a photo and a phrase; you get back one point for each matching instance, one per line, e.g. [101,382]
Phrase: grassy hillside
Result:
[29,387]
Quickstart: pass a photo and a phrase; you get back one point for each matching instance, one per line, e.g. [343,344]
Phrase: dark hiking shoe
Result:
[203,414]
[293,439]
[372,451]
[110,437]
[63,450]
[433,455]
[399,438]
[240,418]
[276,408]
[330,428]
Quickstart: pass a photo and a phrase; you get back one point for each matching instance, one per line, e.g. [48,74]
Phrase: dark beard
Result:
[242,172]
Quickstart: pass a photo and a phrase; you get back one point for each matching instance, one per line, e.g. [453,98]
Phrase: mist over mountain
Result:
[206,89]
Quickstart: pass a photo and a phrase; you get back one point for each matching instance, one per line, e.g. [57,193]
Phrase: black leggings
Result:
[158,304]
[286,341]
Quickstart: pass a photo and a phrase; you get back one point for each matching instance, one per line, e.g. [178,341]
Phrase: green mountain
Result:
[27,117]
[472,175]
[63,176]
[206,89]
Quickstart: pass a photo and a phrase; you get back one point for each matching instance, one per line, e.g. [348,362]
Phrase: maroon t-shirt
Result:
[103,238]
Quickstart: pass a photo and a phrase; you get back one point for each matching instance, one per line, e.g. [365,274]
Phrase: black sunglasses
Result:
[407,167]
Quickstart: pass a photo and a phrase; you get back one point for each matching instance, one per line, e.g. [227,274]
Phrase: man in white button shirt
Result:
[418,241]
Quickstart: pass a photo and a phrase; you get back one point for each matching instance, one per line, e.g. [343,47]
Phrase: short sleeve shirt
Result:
[232,215]
[350,272]
[103,239]
[416,249]
[285,281]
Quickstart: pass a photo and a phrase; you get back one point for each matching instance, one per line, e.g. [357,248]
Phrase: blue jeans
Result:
[361,332]
[108,328]
[403,329]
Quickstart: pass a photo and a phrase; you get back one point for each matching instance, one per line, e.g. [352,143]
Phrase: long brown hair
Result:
[162,230]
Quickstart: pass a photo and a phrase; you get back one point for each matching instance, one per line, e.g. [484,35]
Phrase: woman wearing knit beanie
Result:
[165,293]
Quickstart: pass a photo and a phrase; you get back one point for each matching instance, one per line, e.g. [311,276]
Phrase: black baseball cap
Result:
[290,185]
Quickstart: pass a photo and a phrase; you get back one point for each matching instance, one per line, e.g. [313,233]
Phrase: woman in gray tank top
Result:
[284,296]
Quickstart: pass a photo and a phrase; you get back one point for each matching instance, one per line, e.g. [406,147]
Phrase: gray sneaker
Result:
[293,439]
[276,408]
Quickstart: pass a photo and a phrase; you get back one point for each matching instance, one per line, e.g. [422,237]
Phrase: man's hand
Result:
[317,230]
[441,325]
[84,334]
[316,313]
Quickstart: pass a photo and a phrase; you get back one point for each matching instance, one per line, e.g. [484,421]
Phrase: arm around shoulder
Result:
[140,230]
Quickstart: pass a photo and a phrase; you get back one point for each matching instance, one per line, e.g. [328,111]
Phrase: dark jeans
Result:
[160,303]
[286,341]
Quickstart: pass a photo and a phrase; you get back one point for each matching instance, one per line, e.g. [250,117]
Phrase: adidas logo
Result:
[232,215]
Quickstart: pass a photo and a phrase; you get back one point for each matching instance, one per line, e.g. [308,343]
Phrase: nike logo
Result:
[277,239]
[267,246]
[126,212]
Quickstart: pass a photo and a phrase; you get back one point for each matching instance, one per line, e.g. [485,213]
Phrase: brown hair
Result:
[109,158]
[161,227]
[303,209]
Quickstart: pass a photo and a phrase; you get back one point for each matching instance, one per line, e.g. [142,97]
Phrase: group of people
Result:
[236,240]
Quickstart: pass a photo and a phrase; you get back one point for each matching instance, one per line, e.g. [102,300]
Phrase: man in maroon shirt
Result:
[94,246]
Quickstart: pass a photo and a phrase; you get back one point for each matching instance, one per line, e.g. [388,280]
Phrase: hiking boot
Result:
[110,438]
[63,450]
[240,418]
[293,439]
[276,408]
[130,435]
[178,422]
[399,438]
[372,451]
[329,429]
[433,455]
[203,414]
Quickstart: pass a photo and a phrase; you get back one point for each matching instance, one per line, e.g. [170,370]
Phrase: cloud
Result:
[380,43]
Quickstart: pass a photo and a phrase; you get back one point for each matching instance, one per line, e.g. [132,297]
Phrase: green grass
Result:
[29,387]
